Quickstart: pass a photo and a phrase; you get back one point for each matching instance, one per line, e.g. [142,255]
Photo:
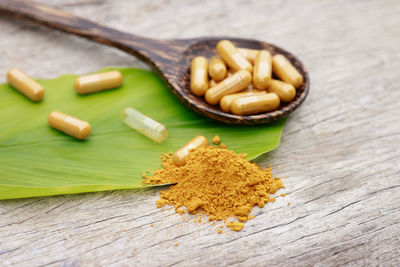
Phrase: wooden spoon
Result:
[170,59]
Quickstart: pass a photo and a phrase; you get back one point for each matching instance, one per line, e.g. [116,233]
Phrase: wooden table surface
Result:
[340,151]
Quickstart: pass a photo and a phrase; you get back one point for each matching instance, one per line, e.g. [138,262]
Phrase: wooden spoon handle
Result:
[144,48]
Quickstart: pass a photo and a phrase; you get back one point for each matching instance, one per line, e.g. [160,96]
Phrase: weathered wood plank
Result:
[339,152]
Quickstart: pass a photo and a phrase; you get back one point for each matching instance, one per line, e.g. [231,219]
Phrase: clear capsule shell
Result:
[145,125]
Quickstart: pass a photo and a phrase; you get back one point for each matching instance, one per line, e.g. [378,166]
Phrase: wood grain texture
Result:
[171,59]
[339,152]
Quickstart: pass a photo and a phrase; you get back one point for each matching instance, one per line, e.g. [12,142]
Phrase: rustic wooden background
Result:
[340,151]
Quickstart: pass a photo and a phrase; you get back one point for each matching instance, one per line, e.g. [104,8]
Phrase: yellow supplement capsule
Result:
[230,73]
[249,54]
[227,100]
[212,83]
[286,71]
[248,105]
[217,69]
[199,76]
[228,52]
[179,157]
[235,83]
[25,84]
[144,125]
[69,125]
[262,70]
[285,91]
[98,82]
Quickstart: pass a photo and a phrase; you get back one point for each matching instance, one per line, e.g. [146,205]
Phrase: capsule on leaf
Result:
[69,125]
[25,84]
[98,82]
[144,125]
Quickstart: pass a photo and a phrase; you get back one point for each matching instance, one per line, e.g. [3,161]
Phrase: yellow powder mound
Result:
[217,182]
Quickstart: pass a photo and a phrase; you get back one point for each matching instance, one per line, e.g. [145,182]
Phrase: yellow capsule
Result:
[98,82]
[199,76]
[235,83]
[230,73]
[145,125]
[249,54]
[255,104]
[25,84]
[286,71]
[179,157]
[262,70]
[217,69]
[285,91]
[228,52]
[212,83]
[69,125]
[227,100]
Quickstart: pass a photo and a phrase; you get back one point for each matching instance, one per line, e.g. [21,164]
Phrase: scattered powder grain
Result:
[216,139]
[217,182]
[235,226]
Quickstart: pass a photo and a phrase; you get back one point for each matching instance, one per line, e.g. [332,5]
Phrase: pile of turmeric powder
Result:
[217,182]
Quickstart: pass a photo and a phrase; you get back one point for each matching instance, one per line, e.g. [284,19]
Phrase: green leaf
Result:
[36,160]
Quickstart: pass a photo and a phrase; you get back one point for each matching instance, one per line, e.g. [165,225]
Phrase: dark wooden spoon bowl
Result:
[170,59]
